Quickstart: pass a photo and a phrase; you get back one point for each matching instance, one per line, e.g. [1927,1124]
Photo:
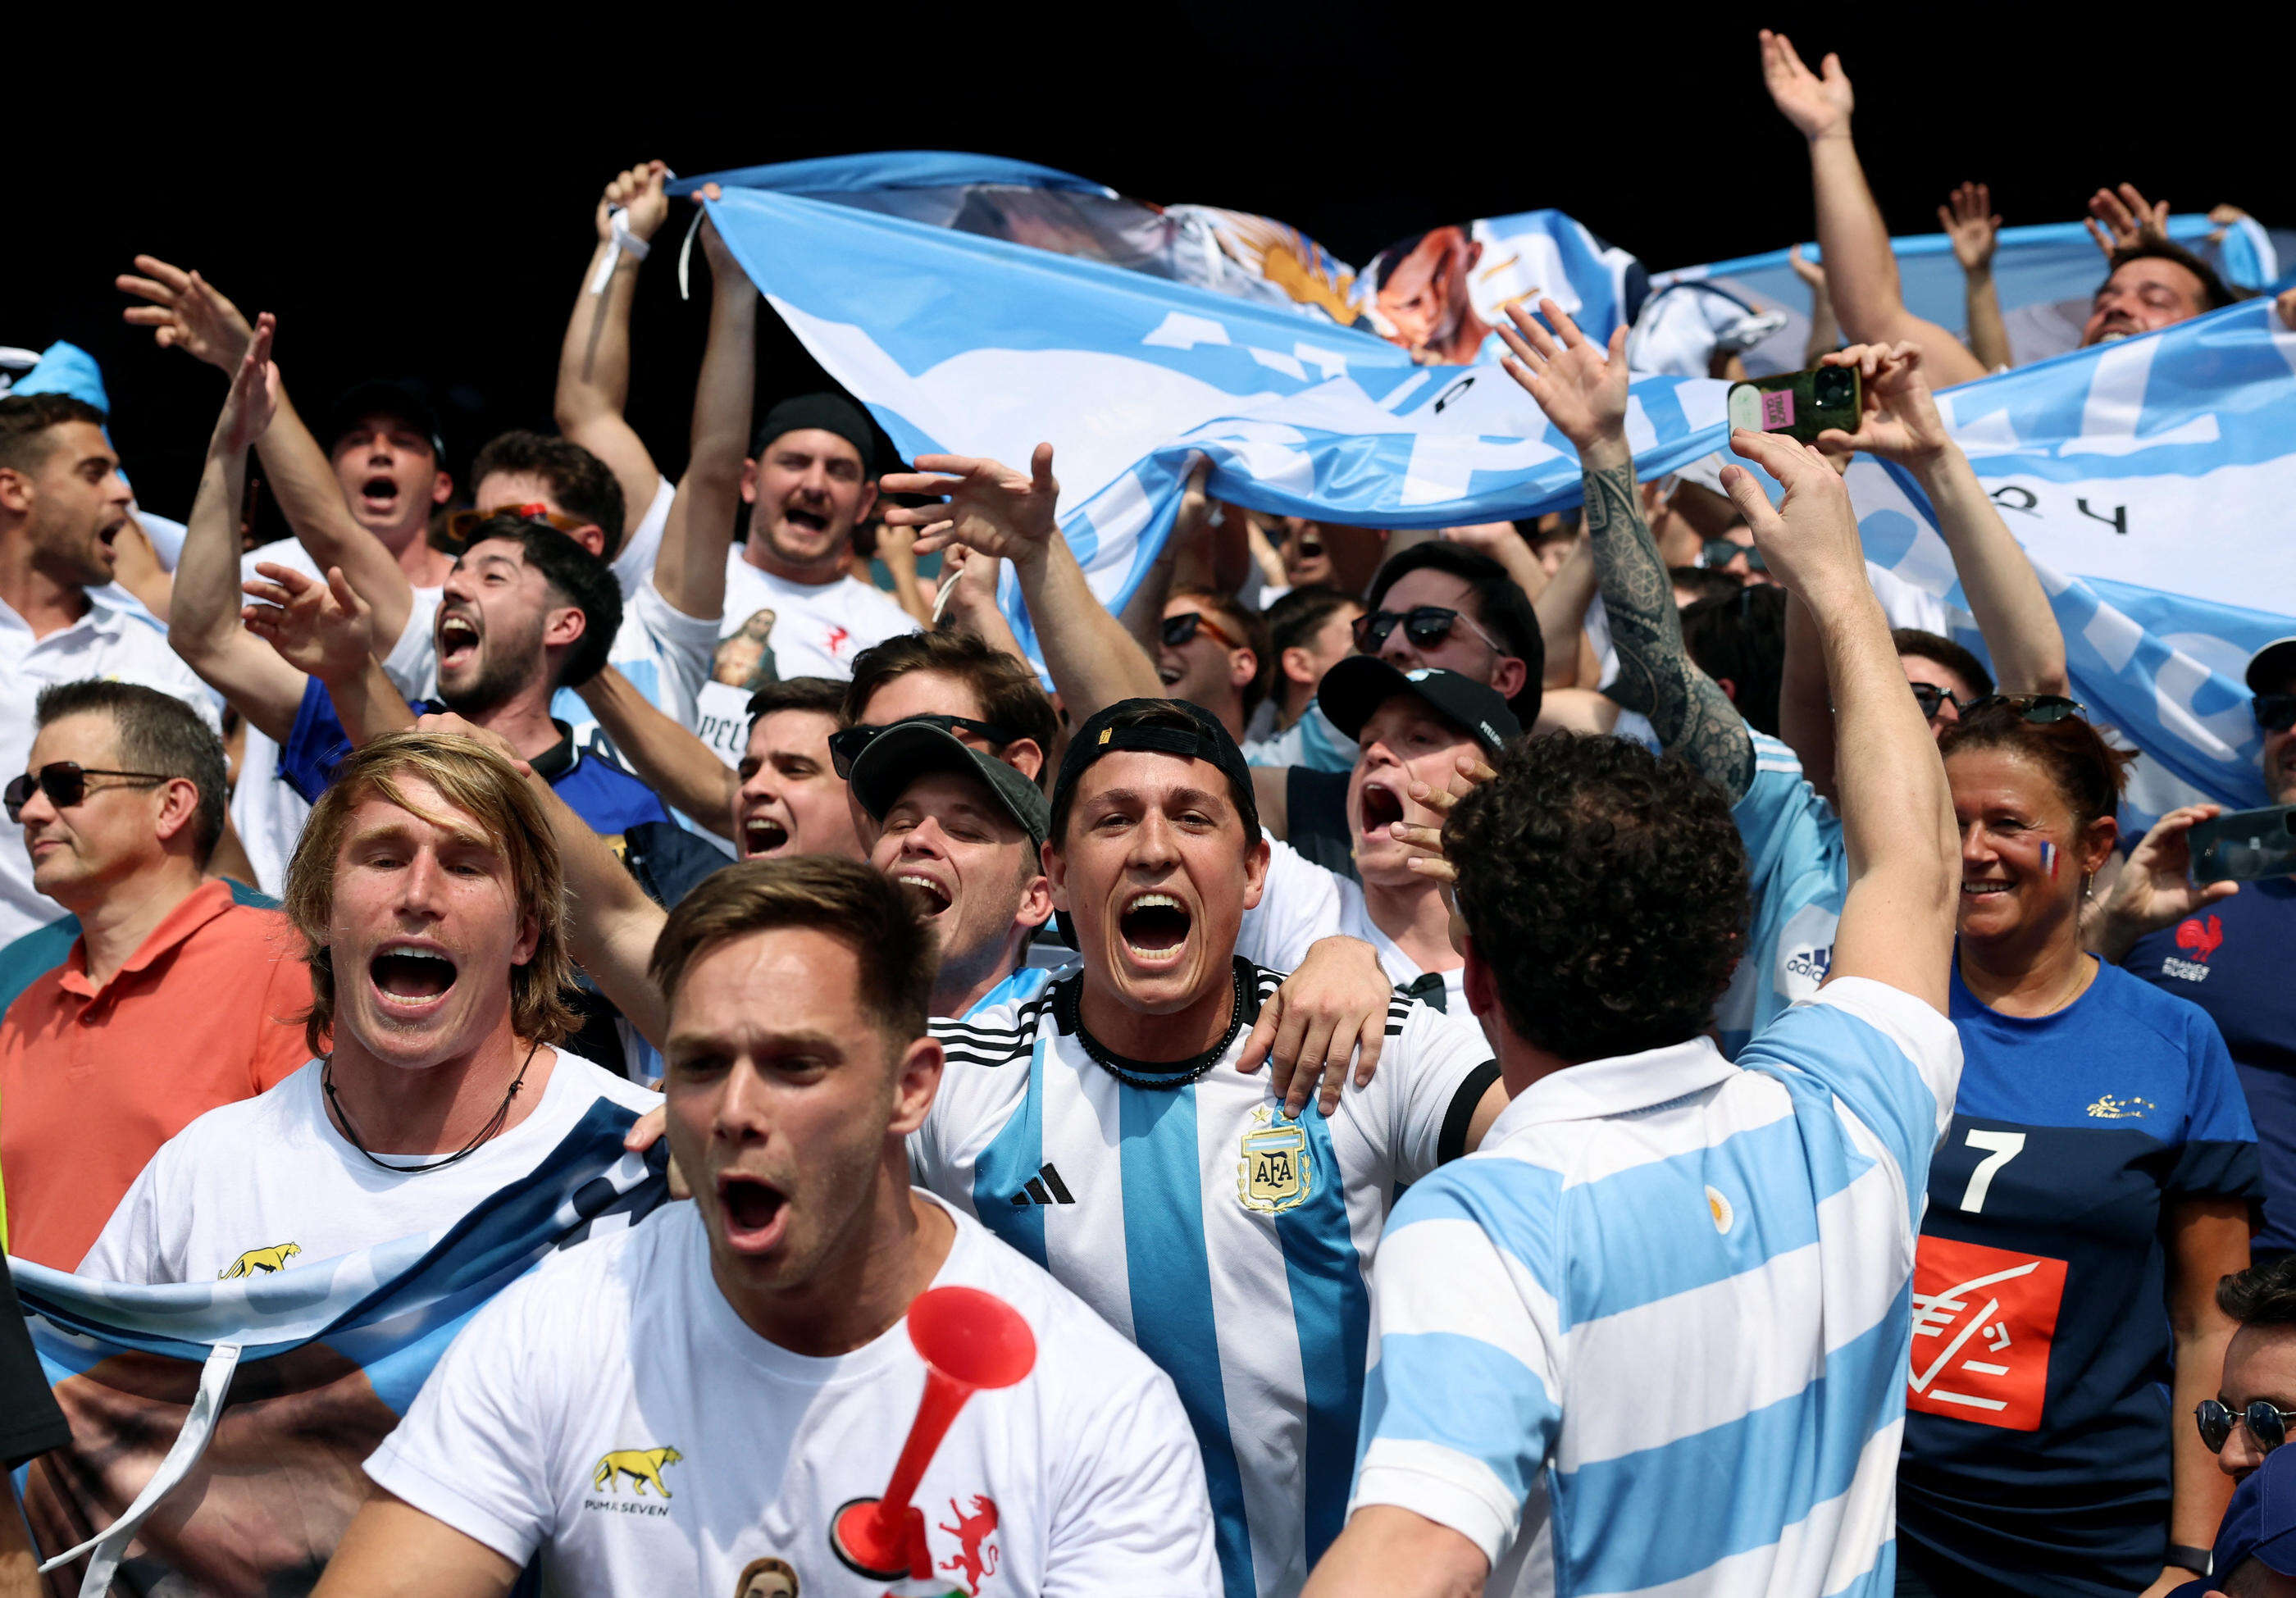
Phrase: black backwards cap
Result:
[1355,687]
[1205,740]
[832,414]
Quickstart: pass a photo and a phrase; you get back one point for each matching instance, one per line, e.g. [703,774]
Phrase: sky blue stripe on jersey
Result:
[1866,1070]
[1019,988]
[1005,1165]
[1798,1451]
[1466,1395]
[1170,1277]
[1332,1308]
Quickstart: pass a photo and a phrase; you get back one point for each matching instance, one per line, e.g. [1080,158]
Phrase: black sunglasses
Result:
[1718,553]
[846,744]
[2275,712]
[65,783]
[2266,1423]
[2039,708]
[1179,629]
[1933,698]
[1425,625]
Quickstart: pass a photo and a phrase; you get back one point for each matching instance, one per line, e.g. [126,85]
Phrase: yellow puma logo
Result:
[641,1466]
[265,1260]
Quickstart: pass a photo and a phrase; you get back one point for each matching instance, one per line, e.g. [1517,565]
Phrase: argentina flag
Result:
[218,1427]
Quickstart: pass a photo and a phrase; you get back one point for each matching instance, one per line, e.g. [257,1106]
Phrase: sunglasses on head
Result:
[846,744]
[1424,626]
[2275,712]
[2266,1423]
[1179,629]
[2039,708]
[65,783]
[463,524]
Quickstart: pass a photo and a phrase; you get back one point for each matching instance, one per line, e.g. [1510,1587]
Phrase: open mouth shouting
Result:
[378,495]
[411,979]
[930,893]
[762,835]
[805,521]
[756,1213]
[458,637]
[1154,928]
[1381,808]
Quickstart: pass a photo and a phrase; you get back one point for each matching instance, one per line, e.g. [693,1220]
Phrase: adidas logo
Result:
[1045,1187]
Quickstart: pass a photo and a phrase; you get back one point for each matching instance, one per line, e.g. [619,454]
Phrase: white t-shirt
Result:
[612,1410]
[1300,904]
[774,629]
[635,564]
[105,642]
[271,1174]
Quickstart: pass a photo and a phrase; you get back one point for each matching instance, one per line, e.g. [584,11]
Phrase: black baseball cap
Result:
[379,397]
[2270,668]
[908,750]
[1202,738]
[1359,685]
[830,412]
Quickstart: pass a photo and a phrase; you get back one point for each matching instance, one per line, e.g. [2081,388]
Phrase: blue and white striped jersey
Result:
[1799,873]
[1651,1337]
[1312,741]
[1230,1242]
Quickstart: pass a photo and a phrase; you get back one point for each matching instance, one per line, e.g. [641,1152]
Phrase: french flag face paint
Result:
[2049,859]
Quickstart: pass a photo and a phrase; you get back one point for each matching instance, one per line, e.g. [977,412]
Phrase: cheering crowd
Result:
[1593,1056]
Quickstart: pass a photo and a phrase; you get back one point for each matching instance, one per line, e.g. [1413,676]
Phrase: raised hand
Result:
[2119,219]
[991,509]
[2154,889]
[1810,542]
[1333,1009]
[254,396]
[1899,419]
[323,630]
[186,313]
[1968,220]
[1817,102]
[638,191]
[1582,388]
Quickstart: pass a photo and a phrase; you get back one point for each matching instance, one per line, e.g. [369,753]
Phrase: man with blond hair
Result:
[426,890]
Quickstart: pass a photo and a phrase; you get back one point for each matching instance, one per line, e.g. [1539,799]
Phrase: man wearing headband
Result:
[1102,1127]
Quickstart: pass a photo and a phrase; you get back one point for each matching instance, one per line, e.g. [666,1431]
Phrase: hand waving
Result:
[991,509]
[1582,389]
[638,191]
[254,396]
[186,313]
[1819,105]
[323,630]
[1968,220]
[1810,542]
[1900,420]
[2117,220]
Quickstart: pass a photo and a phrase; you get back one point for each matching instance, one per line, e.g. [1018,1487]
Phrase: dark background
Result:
[412,194]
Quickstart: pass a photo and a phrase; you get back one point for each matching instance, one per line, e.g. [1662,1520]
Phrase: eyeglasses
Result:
[2266,1423]
[1179,629]
[65,783]
[1719,553]
[846,744]
[1425,625]
[2275,712]
[463,524]
[2039,708]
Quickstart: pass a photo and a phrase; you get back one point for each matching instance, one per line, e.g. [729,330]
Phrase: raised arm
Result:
[665,753]
[996,511]
[1562,610]
[325,630]
[1861,272]
[1897,812]
[1584,394]
[1970,222]
[594,363]
[690,572]
[203,616]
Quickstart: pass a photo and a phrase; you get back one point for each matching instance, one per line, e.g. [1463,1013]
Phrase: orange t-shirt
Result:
[207,1011]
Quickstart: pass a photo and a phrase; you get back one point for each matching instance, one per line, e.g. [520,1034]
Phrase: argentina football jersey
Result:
[1229,1240]
[1797,876]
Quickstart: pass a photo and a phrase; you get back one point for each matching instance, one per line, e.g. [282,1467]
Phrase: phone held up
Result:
[1801,405]
[2244,845]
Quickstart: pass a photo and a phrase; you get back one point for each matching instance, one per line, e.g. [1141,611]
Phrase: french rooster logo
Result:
[2200,937]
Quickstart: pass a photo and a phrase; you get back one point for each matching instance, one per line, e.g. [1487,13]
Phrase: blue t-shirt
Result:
[2230,960]
[600,792]
[2038,1423]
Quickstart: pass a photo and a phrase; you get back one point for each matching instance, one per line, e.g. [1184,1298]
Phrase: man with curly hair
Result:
[1654,1334]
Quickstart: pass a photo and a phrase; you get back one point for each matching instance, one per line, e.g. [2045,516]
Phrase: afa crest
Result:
[1274,1173]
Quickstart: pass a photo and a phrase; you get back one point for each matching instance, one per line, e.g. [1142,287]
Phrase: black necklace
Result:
[1068,1000]
[494,1124]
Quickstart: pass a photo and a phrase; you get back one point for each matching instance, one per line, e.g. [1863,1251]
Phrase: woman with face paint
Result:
[2094,1184]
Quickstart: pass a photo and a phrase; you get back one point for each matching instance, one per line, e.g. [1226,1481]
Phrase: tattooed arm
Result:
[1584,395]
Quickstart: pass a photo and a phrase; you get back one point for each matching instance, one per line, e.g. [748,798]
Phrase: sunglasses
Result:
[2275,712]
[2039,708]
[1933,698]
[846,744]
[65,783]
[463,524]
[2267,1424]
[1719,553]
[1425,625]
[1179,629]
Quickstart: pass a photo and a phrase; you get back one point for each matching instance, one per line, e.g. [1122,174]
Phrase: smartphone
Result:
[2244,845]
[1801,405]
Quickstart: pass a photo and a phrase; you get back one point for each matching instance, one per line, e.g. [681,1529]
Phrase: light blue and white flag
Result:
[2152,482]
[969,345]
[2043,276]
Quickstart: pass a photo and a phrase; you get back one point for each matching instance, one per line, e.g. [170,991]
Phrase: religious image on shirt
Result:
[767,1578]
[1983,1321]
[745,656]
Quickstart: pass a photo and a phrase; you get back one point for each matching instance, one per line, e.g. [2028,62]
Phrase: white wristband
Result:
[623,242]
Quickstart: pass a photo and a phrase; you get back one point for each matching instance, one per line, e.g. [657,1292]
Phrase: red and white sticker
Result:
[1983,1322]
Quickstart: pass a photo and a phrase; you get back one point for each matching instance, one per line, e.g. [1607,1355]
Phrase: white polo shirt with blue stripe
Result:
[1652,1337]
[1798,874]
[1232,1242]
